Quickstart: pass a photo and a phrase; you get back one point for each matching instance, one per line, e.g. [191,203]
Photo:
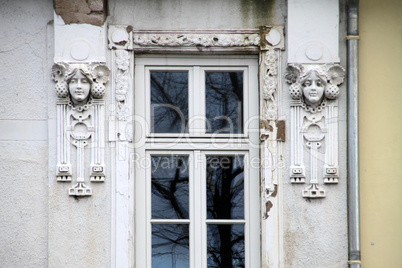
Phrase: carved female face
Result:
[313,89]
[79,88]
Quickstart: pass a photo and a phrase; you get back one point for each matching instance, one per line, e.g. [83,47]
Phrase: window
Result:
[196,164]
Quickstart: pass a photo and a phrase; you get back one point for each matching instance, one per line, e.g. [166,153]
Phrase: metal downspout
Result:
[353,134]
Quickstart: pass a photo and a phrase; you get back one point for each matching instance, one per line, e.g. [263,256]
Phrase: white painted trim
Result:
[242,53]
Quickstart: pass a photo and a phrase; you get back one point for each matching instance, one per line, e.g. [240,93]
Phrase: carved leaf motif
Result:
[218,40]
[270,57]
[121,82]
[122,60]
[270,82]
[292,74]
[101,74]
[336,74]
[58,73]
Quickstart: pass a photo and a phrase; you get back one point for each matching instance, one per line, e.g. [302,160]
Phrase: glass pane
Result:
[170,246]
[169,102]
[225,246]
[224,102]
[225,187]
[170,187]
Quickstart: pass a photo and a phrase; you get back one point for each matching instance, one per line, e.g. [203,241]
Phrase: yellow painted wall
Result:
[380,132]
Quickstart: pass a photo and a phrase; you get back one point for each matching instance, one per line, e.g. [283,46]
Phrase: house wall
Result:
[24,50]
[381,133]
[40,225]
[194,14]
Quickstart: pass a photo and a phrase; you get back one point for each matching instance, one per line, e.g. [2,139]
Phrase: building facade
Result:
[194,134]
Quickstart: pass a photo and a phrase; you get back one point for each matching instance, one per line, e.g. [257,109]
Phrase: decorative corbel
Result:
[314,89]
[80,123]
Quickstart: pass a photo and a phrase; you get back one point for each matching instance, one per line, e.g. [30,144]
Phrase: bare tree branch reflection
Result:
[225,200]
[169,101]
[170,200]
[224,101]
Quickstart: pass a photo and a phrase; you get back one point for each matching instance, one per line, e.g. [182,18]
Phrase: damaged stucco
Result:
[81,11]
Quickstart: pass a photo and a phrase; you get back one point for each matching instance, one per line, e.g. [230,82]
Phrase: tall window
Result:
[196,164]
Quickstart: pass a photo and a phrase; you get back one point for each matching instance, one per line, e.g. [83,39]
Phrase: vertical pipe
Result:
[353,136]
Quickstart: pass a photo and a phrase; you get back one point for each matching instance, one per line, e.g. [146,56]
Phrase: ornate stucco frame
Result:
[124,43]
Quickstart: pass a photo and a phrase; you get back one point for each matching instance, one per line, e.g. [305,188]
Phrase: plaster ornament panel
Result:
[314,89]
[122,59]
[80,123]
[120,37]
[269,69]
[313,31]
[79,42]
[195,39]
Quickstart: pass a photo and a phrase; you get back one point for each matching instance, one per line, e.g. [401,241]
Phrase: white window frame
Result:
[200,146]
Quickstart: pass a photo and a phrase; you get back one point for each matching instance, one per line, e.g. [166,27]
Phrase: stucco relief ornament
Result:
[122,84]
[80,119]
[194,39]
[269,112]
[270,85]
[314,89]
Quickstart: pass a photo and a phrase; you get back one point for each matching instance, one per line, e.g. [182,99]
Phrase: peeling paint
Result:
[81,11]
[281,127]
[265,124]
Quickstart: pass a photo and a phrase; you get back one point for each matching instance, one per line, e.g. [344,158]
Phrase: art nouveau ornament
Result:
[314,124]
[269,115]
[80,123]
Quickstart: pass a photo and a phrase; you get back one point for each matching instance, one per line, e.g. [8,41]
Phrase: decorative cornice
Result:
[197,39]
[124,37]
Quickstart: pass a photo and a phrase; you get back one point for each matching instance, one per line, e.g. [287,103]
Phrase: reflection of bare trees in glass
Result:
[225,200]
[223,98]
[170,245]
[224,102]
[169,101]
[225,246]
[170,200]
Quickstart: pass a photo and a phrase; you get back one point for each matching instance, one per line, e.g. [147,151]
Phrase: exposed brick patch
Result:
[81,11]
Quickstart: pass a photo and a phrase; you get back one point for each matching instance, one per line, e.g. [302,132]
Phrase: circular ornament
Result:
[331,91]
[295,91]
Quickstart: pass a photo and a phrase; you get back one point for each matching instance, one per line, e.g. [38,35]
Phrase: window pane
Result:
[224,102]
[225,187]
[170,246]
[170,187]
[169,102]
[225,246]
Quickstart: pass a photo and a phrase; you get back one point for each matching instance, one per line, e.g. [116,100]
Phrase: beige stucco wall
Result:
[380,132]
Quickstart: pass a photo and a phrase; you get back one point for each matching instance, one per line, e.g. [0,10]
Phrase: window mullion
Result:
[197,220]
[197,126]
